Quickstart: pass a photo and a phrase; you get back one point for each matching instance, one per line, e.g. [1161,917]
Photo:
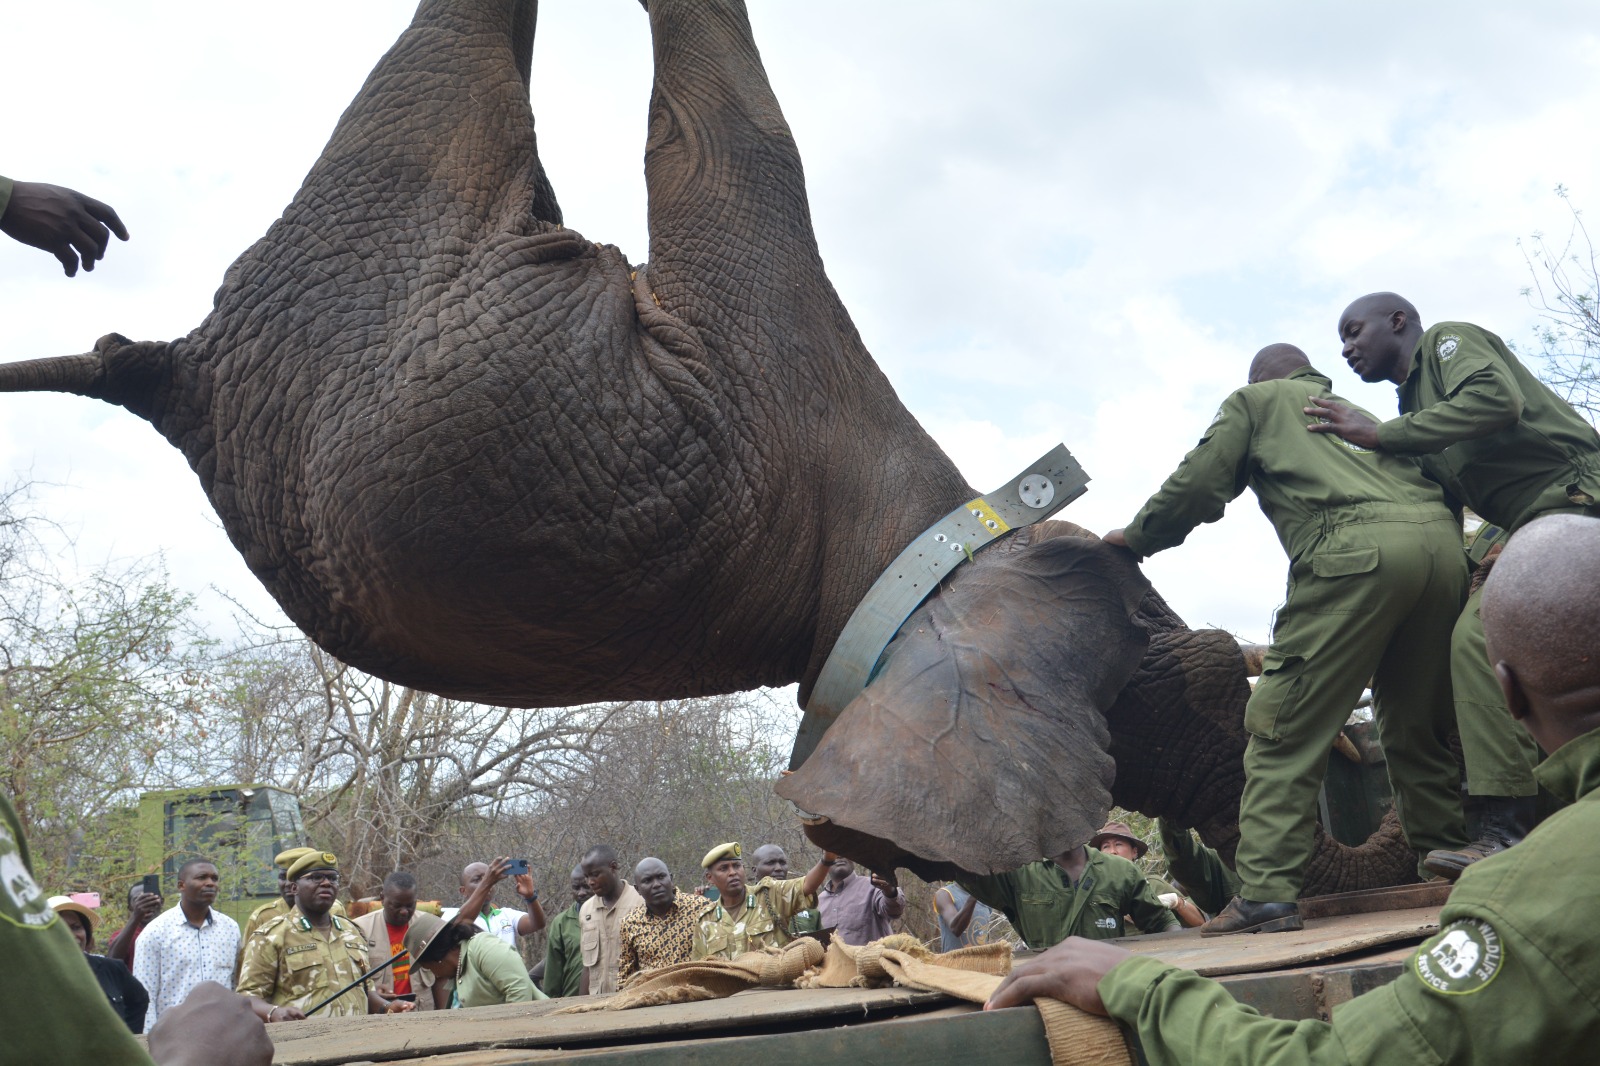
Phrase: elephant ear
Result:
[981,745]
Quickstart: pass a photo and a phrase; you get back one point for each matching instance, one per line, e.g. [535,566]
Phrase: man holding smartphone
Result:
[477,888]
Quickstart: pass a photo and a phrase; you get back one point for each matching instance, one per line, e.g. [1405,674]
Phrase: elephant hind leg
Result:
[729,218]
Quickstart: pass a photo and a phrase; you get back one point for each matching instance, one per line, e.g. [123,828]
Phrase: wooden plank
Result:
[1322,938]
[958,1035]
[391,1038]
[1366,901]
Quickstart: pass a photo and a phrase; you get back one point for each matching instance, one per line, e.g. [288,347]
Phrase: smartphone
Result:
[517,868]
[152,884]
[409,997]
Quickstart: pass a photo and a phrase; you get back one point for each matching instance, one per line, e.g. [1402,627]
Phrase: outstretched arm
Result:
[58,220]
[1214,472]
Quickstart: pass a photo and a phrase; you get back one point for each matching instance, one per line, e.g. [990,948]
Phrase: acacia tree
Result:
[1566,293]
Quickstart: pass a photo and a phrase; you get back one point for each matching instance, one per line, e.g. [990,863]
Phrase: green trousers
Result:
[1499,753]
[1373,599]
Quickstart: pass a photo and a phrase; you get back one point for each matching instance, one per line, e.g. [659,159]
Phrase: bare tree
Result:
[1566,293]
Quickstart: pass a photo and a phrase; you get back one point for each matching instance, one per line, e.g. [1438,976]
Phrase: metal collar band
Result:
[1047,485]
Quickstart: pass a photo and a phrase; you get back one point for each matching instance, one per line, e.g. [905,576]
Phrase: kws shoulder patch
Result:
[1462,959]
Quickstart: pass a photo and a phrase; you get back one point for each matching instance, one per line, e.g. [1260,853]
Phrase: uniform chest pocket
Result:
[589,943]
[305,970]
[761,923]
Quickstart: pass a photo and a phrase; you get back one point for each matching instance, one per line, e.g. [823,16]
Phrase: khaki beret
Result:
[288,858]
[730,850]
[313,860]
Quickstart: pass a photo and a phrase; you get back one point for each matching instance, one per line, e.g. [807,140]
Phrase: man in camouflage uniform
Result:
[741,919]
[298,959]
[285,901]
[770,863]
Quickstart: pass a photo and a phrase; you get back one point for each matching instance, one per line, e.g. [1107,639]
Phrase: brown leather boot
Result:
[1247,916]
[1502,822]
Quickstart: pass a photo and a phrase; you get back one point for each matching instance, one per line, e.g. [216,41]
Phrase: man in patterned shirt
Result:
[662,931]
[188,944]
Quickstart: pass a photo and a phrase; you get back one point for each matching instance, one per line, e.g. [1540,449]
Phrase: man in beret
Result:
[298,959]
[285,901]
[741,920]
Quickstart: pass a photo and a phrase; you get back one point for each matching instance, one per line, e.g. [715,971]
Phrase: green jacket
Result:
[1045,908]
[1513,975]
[563,954]
[1198,869]
[1491,432]
[1259,439]
[54,1013]
[490,972]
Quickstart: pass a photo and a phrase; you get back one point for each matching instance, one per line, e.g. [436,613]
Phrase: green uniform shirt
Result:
[1199,869]
[1489,431]
[490,971]
[54,1013]
[563,954]
[1259,439]
[1045,907]
[268,911]
[290,963]
[762,922]
[1513,975]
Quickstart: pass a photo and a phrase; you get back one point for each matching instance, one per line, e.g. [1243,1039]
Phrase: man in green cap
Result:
[298,959]
[741,920]
[1502,443]
[285,901]
[1376,581]
[1513,975]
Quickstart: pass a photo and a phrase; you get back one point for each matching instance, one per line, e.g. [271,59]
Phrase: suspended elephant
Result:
[469,450]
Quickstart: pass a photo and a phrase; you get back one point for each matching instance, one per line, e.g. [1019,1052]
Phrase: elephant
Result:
[469,450]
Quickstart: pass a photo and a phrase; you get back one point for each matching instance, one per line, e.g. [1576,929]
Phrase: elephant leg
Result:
[728,209]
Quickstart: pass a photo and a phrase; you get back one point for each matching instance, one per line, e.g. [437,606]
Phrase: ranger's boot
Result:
[1502,822]
[1248,916]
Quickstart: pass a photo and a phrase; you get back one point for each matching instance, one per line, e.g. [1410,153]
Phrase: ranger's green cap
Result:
[313,860]
[730,850]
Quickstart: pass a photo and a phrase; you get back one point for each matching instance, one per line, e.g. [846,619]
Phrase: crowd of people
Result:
[1380,590]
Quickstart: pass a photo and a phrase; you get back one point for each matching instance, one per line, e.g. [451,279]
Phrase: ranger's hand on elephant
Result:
[1343,421]
[1117,540]
[1070,972]
[61,221]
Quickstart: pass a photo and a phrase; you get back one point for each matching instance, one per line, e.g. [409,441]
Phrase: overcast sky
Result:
[1052,221]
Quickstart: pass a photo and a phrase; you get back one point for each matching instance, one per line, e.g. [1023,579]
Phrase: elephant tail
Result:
[80,374]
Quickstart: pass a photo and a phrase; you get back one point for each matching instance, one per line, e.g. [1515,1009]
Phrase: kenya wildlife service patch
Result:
[1463,959]
[1447,347]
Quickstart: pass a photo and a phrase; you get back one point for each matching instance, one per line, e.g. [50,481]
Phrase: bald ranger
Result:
[1502,443]
[1376,578]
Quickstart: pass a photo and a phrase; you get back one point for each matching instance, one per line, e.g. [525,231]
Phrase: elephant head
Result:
[469,450]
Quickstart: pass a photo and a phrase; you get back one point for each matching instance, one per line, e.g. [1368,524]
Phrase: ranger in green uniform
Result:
[742,920]
[1199,870]
[1501,442]
[285,901]
[563,946]
[1513,975]
[297,960]
[1376,581]
[1082,892]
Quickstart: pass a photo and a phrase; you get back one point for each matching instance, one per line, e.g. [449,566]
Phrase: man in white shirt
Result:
[186,945]
[477,887]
